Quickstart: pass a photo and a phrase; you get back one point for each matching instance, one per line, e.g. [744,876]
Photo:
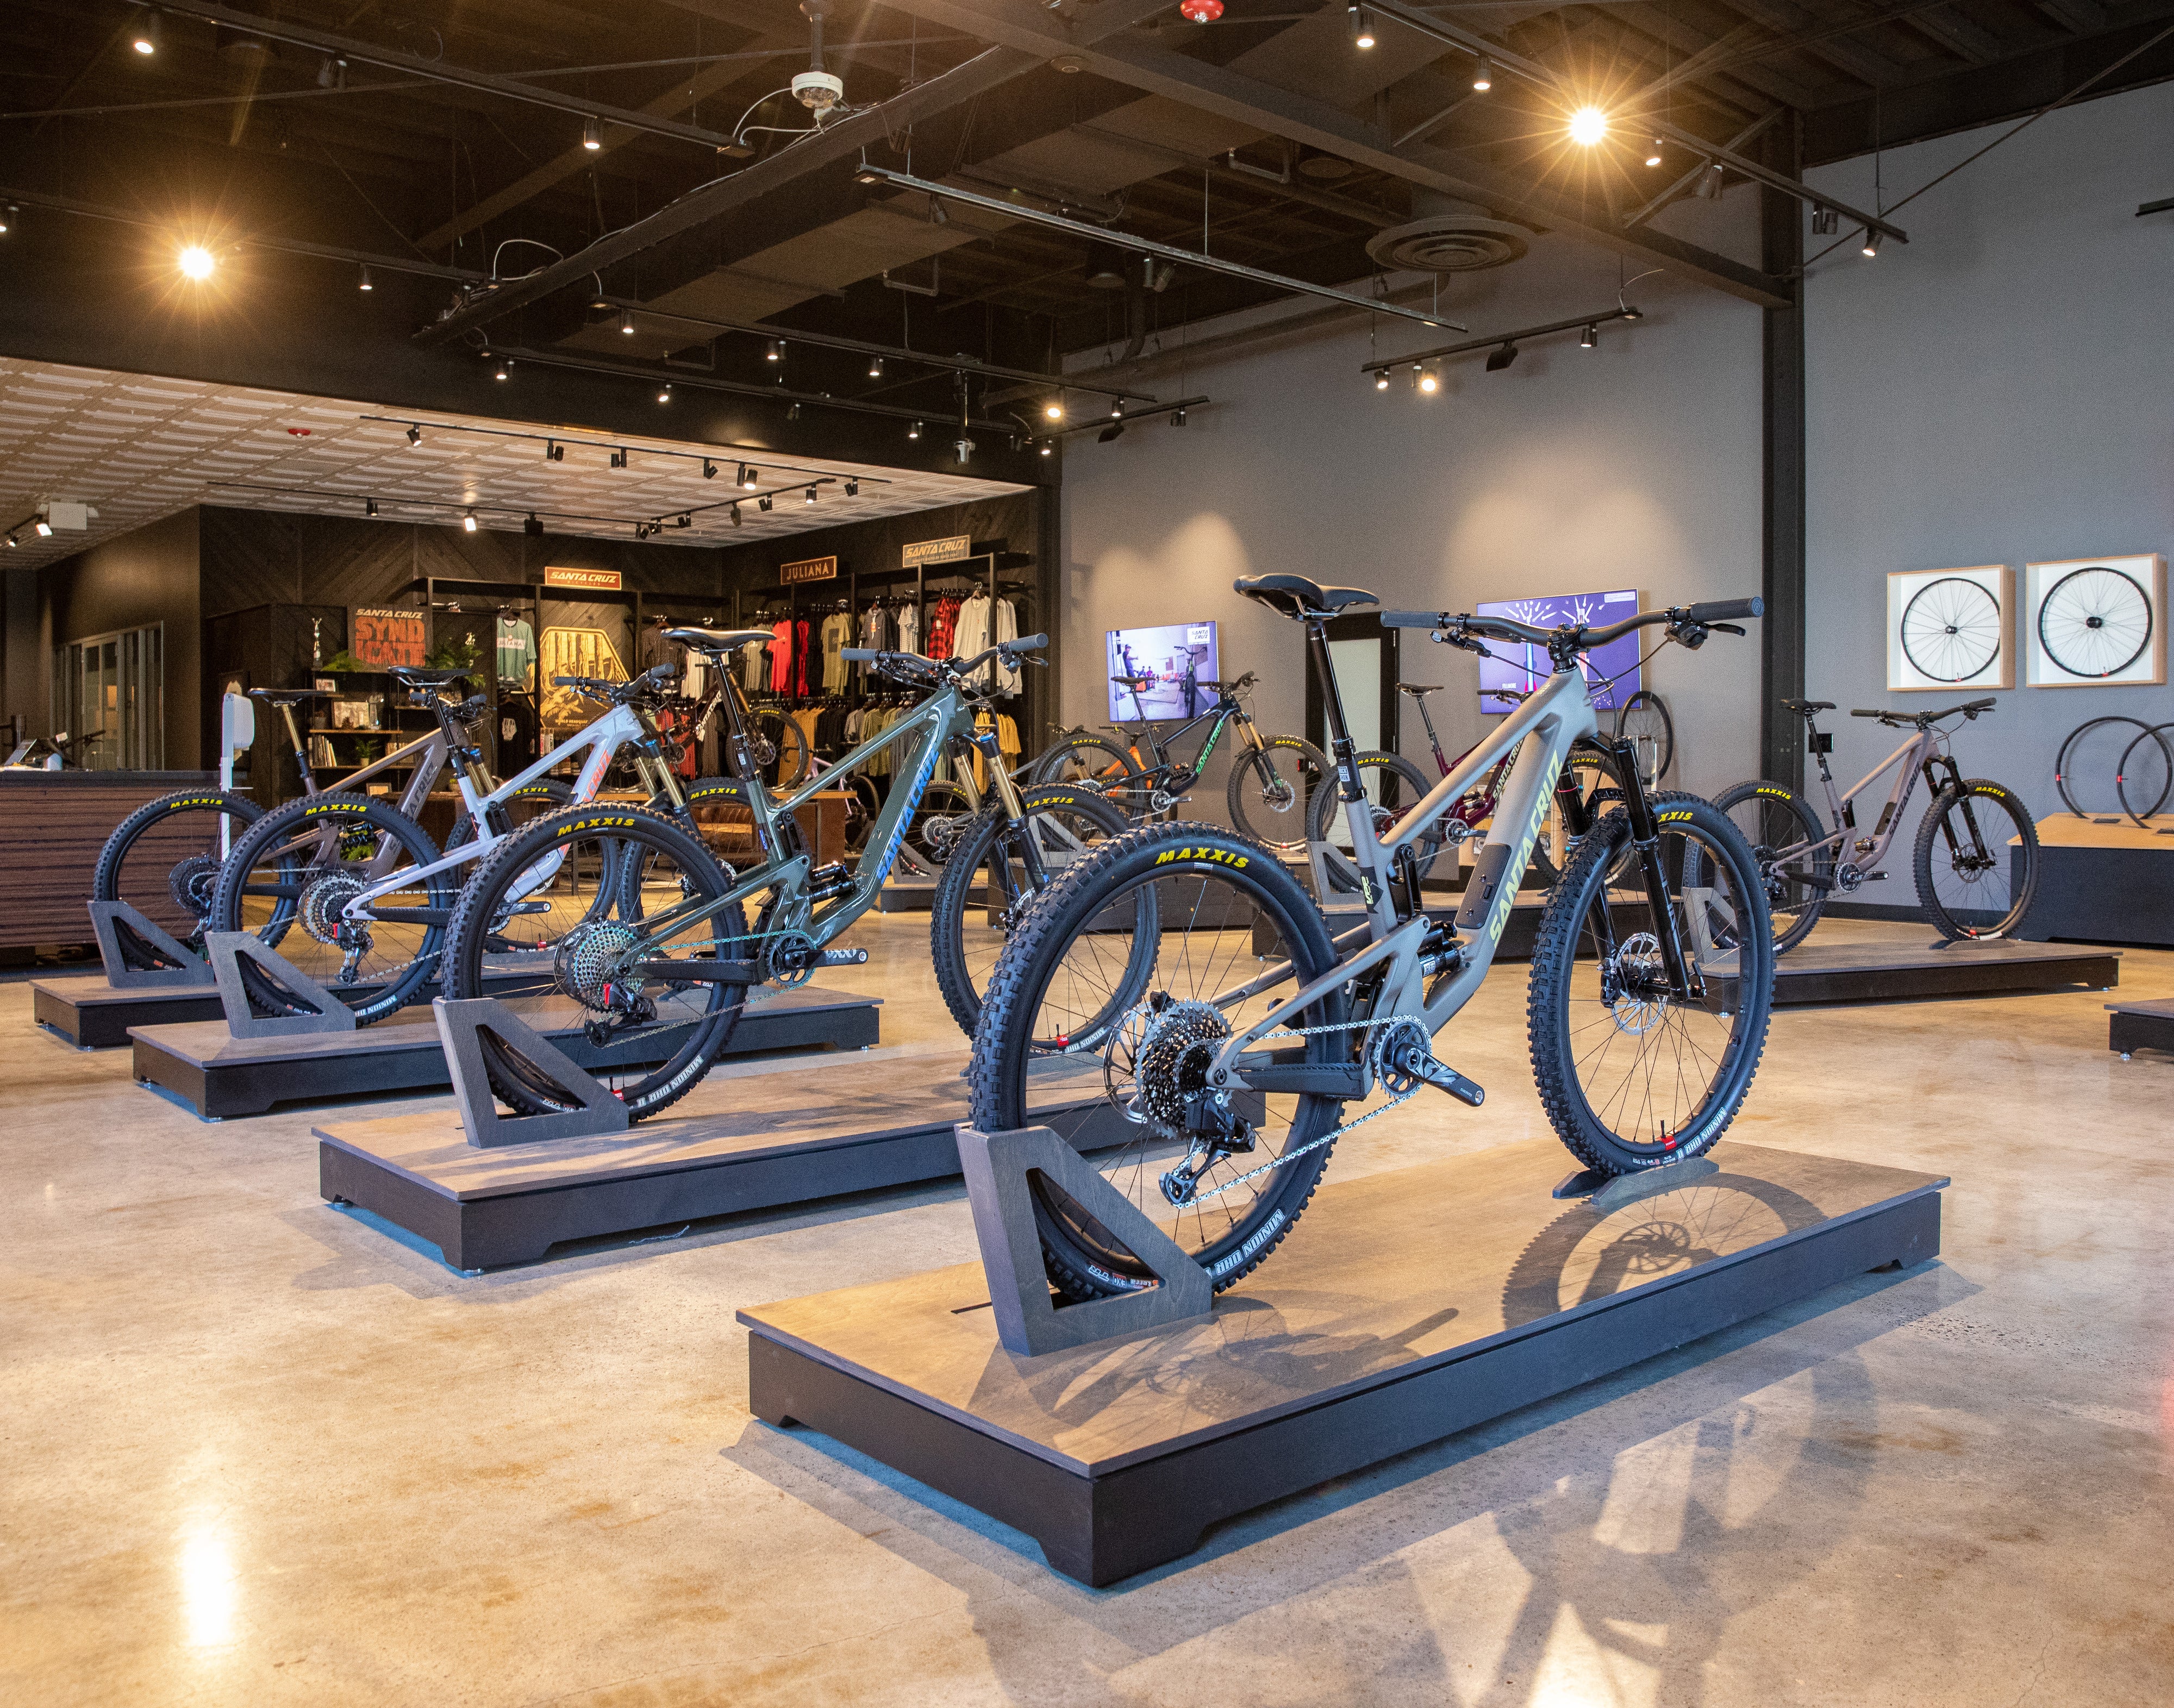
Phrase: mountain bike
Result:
[662,976]
[352,891]
[1262,801]
[164,858]
[1975,859]
[1647,1000]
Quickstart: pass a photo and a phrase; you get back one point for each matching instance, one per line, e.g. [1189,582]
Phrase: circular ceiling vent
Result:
[1448,243]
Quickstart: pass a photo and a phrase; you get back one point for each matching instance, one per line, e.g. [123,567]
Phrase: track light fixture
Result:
[364,283]
[792,412]
[44,528]
[145,38]
[1362,28]
[1871,242]
[1177,418]
[1501,356]
[1053,410]
[626,322]
[532,526]
[1587,338]
[504,370]
[914,431]
[762,504]
[1653,152]
[876,367]
[737,519]
[592,135]
[937,213]
[664,393]
[13,213]
[708,469]
[1048,447]
[1826,222]
[1483,74]
[468,523]
[554,452]
[684,519]
[1380,379]
[370,506]
[749,478]
[776,351]
[1117,406]
[1430,382]
[1709,182]
[195,262]
[853,486]
[414,438]
[332,72]
[962,447]
[619,456]
[13,543]
[1588,126]
[811,495]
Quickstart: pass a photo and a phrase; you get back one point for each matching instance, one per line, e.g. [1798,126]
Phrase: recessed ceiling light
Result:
[195,261]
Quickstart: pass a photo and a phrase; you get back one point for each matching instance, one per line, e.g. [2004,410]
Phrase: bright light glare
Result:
[1428,382]
[195,261]
[209,1591]
[1587,126]
[1055,412]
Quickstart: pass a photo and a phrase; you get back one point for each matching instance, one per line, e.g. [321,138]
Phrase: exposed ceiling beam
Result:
[2085,17]
[437,71]
[1281,112]
[1960,34]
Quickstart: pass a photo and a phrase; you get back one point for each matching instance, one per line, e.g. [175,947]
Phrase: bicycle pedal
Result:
[842,958]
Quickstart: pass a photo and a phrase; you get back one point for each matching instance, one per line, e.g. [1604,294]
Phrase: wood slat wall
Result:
[52,828]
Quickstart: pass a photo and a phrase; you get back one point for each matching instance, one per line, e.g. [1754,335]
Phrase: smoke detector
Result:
[819,90]
[1451,240]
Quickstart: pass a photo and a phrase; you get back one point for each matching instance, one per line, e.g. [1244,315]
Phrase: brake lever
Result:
[1724,628]
[1463,641]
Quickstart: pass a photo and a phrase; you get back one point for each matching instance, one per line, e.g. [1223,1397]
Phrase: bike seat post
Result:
[1339,733]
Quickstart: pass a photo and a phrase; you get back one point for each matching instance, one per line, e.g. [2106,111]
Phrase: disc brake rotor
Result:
[1639,988]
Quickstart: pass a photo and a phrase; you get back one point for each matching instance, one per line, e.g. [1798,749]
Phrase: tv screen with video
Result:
[1611,672]
[1176,658]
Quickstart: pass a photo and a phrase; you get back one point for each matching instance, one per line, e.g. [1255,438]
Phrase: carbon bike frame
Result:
[1554,718]
[1922,750]
[1162,746]
[946,719]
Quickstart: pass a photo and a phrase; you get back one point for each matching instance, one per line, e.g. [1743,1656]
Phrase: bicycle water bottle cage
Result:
[1302,600]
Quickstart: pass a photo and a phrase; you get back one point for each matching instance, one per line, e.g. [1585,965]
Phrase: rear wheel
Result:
[1977,860]
[527,927]
[1394,787]
[1632,1072]
[163,859]
[1094,760]
[1273,792]
[1770,818]
[779,746]
[290,878]
[1062,825]
[1123,960]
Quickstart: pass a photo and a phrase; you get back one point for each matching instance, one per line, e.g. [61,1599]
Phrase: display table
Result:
[52,825]
[1406,1306]
[2104,879]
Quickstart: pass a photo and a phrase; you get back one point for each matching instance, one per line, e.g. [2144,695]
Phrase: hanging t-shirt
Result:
[781,655]
[838,635]
[909,628]
[516,650]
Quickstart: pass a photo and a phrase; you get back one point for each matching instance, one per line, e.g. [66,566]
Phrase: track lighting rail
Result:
[734,452]
[1495,341]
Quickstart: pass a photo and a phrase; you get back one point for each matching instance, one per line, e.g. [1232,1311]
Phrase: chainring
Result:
[789,958]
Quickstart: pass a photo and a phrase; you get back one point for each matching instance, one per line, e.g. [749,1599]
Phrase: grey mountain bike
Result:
[1975,861]
[1234,1034]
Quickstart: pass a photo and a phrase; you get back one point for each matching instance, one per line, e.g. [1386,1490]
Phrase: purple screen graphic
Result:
[1522,668]
[1178,655]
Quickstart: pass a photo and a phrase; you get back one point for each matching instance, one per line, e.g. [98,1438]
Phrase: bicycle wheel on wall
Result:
[1951,630]
[2094,622]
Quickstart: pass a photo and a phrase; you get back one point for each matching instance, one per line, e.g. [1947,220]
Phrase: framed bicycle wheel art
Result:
[2095,622]
[1950,629]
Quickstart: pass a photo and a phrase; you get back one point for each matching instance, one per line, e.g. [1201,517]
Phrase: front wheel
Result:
[1774,819]
[163,859]
[1273,794]
[641,978]
[1977,860]
[1059,826]
[1635,1069]
[1171,921]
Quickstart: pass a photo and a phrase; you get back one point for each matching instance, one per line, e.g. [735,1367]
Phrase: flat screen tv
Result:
[1178,656]
[1611,672]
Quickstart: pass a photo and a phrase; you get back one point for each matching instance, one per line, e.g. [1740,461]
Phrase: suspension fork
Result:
[1683,978]
[1931,769]
[1015,810]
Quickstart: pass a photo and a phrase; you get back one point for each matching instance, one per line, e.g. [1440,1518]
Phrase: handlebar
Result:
[914,664]
[603,688]
[1686,622]
[1970,708]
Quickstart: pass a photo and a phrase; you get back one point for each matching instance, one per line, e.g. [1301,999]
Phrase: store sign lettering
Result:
[387,639]
[593,580]
[945,551]
[808,569]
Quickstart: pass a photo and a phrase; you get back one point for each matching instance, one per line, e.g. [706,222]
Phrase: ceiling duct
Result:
[1448,236]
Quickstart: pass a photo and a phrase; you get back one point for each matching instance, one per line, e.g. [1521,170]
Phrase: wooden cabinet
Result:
[52,825]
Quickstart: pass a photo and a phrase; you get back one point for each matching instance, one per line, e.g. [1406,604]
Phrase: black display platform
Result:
[2145,1024]
[219,1075]
[91,1014]
[1927,966]
[1405,1307]
[737,1142]
[2104,879]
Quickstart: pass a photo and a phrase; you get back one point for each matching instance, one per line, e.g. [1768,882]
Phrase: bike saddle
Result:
[1295,596]
[1805,708]
[415,678]
[286,697]
[1416,688]
[719,639]
[1140,682]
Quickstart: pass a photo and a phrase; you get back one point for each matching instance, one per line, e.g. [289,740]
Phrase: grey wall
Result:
[1636,464]
[1994,393]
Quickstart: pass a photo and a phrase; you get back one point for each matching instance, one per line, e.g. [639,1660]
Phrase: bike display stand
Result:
[461,1028]
[1917,963]
[1406,1307]
[228,950]
[2145,1024]
[139,955]
[750,1138]
[996,1166]
[2104,879]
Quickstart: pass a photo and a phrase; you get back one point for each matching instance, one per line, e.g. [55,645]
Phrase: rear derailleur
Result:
[1215,1131]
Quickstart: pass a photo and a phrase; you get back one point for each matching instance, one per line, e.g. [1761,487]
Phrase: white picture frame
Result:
[1918,662]
[2050,659]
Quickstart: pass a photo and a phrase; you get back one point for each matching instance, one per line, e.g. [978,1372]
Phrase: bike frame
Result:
[1922,751]
[1550,723]
[946,718]
[1163,746]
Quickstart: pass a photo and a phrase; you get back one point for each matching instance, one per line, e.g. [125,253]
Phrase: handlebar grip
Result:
[1413,619]
[1876,712]
[859,655]
[1025,643]
[1720,610]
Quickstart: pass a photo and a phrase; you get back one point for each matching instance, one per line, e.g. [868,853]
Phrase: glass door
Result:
[109,699]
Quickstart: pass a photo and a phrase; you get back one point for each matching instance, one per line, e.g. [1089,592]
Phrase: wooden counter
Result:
[52,823]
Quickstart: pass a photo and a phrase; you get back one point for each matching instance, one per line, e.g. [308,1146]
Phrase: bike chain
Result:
[1330,1137]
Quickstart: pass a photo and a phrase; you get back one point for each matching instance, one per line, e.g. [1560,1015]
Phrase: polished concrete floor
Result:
[257,1450]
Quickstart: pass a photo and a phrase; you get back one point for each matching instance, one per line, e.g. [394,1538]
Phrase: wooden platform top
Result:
[726,1119]
[1397,1272]
[2159,1007]
[208,1043]
[1816,958]
[2106,830]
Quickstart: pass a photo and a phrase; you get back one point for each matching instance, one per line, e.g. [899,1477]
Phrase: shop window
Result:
[111,688]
